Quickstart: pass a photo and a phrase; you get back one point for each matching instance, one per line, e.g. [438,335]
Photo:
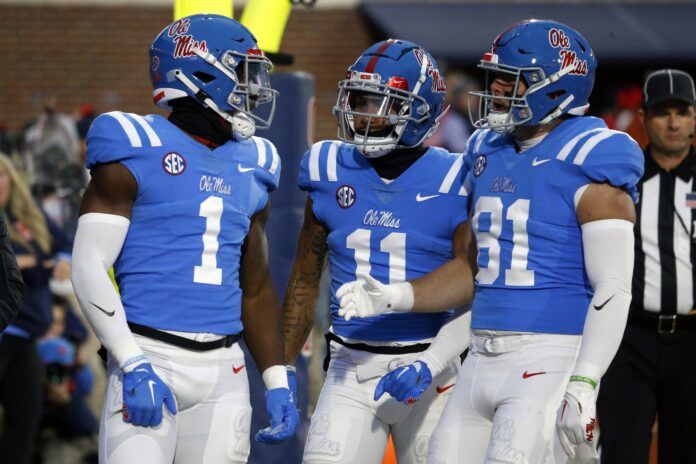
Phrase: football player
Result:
[552,213]
[178,206]
[380,204]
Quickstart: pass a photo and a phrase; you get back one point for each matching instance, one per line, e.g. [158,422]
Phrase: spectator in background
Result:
[6,145]
[53,154]
[11,282]
[654,370]
[68,379]
[87,116]
[43,251]
[455,127]
[623,115]
[52,143]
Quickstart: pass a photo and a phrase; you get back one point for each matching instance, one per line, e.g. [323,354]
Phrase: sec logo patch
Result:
[480,164]
[345,196]
[174,163]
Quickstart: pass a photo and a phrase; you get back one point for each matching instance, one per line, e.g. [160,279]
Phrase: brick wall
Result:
[99,55]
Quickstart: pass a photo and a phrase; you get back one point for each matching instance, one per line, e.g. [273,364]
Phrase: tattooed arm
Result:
[303,286]
[260,306]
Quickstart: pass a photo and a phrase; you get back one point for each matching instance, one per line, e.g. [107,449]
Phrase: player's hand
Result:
[575,421]
[280,404]
[405,383]
[371,298]
[144,394]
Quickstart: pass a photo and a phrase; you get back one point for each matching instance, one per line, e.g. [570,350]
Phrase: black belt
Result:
[665,324]
[407,349]
[183,342]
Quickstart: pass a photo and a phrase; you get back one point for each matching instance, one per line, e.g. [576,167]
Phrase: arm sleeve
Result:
[451,341]
[11,283]
[608,251]
[98,242]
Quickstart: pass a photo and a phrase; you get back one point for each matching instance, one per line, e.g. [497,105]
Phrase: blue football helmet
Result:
[394,85]
[555,63]
[216,61]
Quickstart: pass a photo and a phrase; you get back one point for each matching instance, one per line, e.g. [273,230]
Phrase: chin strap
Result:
[243,126]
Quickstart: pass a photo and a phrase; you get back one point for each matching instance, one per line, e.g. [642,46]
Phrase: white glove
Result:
[576,419]
[371,298]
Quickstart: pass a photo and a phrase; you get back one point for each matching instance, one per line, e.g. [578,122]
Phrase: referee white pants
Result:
[213,410]
[503,408]
[348,426]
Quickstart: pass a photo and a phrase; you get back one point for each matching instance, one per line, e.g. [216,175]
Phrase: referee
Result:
[654,371]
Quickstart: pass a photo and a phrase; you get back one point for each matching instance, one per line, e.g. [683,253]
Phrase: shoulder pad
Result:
[605,155]
[265,155]
[452,173]
[482,138]
[320,163]
[115,136]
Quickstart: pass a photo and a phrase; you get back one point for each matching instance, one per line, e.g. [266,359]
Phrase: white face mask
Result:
[243,126]
[374,150]
[500,123]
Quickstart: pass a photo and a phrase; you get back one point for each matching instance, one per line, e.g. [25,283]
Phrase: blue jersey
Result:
[531,274]
[394,231]
[179,266]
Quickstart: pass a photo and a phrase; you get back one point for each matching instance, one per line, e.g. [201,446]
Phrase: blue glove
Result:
[143,395]
[405,383]
[280,404]
[292,382]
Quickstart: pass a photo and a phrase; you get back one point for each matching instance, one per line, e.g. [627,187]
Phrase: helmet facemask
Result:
[253,87]
[373,116]
[519,111]
[250,74]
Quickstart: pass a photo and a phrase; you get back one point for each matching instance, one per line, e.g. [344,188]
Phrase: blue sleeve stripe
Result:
[314,162]
[448,181]
[591,143]
[568,147]
[151,134]
[331,157]
[127,127]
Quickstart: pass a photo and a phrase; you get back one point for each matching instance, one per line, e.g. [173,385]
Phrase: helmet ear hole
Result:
[204,77]
[556,94]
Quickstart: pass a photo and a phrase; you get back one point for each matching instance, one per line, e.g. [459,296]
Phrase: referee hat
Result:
[668,84]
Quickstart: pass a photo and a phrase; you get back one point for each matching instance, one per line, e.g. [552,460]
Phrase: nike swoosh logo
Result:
[241,169]
[599,308]
[108,313]
[150,384]
[526,375]
[236,369]
[441,390]
[419,197]
[537,162]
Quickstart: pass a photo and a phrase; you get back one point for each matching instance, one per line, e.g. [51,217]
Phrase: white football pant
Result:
[348,426]
[213,417]
[503,408]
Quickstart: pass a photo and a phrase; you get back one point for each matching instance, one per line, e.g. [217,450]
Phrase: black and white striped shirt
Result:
[663,278]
